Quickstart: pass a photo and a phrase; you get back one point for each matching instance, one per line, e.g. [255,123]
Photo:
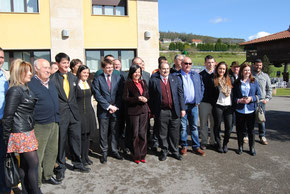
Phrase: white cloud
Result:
[218,20]
[258,35]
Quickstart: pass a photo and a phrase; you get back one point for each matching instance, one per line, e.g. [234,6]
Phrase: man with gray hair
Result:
[177,63]
[46,120]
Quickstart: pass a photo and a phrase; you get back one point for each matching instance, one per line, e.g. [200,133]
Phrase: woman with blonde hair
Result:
[18,123]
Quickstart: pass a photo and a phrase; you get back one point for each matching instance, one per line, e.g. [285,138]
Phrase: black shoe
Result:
[219,149]
[127,151]
[89,162]
[59,176]
[177,156]
[81,168]
[103,159]
[203,147]
[252,151]
[117,156]
[154,148]
[52,181]
[225,148]
[240,150]
[163,157]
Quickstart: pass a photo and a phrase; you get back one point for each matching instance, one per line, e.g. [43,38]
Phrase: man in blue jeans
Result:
[193,92]
[4,77]
[266,94]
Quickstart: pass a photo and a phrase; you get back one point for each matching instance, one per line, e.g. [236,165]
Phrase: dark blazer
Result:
[146,77]
[104,97]
[197,82]
[130,96]
[254,90]
[156,94]
[65,104]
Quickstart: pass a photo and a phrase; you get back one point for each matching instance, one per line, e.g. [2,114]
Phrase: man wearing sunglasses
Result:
[193,92]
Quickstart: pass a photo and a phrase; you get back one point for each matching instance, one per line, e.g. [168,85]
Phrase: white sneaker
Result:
[246,140]
[264,141]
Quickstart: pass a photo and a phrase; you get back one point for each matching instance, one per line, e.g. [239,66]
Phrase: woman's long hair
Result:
[241,77]
[18,71]
[226,75]
[132,70]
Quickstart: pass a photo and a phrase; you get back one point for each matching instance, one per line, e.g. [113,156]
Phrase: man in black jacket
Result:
[167,105]
[234,71]
[208,100]
[69,126]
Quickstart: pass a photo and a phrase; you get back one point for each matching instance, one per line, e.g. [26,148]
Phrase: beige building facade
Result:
[88,30]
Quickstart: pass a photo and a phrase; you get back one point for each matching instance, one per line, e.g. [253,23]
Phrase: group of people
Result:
[47,111]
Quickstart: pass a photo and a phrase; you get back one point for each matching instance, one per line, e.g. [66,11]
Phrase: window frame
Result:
[126,12]
[31,53]
[25,7]
[103,50]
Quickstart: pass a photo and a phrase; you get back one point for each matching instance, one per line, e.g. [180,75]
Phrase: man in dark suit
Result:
[145,74]
[108,93]
[167,105]
[69,126]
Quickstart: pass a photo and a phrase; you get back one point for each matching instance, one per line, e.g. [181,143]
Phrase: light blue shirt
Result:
[3,90]
[188,88]
[245,87]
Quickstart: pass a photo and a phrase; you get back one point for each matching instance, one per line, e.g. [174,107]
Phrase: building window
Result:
[110,7]
[26,55]
[94,58]
[19,6]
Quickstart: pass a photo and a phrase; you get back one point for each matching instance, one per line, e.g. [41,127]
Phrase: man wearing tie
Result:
[167,105]
[69,126]
[108,93]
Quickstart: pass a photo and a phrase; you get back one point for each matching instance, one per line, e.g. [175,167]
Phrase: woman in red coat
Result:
[136,96]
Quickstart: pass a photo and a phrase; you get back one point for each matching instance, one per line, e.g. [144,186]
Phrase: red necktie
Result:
[109,82]
[165,81]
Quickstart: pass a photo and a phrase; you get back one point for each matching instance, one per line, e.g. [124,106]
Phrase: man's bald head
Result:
[42,69]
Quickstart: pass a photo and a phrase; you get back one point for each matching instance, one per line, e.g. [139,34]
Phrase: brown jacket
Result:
[130,96]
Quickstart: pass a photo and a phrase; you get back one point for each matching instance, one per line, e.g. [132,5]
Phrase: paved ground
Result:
[267,172]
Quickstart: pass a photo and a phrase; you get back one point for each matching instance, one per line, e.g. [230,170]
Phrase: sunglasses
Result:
[188,63]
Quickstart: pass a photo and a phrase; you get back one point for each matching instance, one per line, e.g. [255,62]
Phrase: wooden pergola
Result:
[275,46]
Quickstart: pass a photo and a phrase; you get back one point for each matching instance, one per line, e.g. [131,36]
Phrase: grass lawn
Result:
[198,58]
[283,92]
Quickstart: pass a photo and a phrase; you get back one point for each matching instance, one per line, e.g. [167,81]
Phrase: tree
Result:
[172,46]
[267,65]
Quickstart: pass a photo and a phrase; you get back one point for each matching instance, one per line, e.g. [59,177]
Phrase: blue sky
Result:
[225,18]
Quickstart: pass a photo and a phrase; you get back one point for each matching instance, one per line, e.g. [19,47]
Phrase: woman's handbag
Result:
[11,170]
[260,116]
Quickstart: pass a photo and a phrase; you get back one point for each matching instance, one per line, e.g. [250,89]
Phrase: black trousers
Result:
[137,124]
[245,123]
[109,126]
[169,131]
[69,128]
[85,147]
[219,113]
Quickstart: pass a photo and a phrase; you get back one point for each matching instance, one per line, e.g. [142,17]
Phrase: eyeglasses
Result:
[188,63]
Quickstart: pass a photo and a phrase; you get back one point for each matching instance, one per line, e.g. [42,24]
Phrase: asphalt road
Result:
[267,172]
